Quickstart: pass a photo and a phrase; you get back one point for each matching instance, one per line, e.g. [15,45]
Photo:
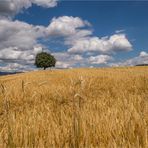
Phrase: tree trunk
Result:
[44,68]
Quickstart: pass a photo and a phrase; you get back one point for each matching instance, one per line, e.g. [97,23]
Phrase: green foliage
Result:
[45,60]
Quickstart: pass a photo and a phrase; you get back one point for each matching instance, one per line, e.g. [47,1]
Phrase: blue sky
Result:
[106,17]
[123,23]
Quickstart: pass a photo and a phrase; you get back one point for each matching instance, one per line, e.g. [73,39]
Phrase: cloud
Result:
[19,43]
[15,54]
[61,64]
[19,34]
[78,57]
[120,31]
[79,36]
[14,59]
[143,54]
[100,59]
[114,43]
[45,3]
[15,67]
[11,7]
[66,60]
[142,58]
[65,26]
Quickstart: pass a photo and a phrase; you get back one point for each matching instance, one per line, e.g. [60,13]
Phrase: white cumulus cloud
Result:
[66,60]
[143,54]
[65,25]
[100,59]
[114,43]
[19,34]
[142,58]
[45,3]
[79,37]
[19,41]
[11,7]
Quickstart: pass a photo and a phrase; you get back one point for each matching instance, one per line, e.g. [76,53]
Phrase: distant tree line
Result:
[142,65]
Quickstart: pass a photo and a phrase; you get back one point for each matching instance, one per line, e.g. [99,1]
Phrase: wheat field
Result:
[75,108]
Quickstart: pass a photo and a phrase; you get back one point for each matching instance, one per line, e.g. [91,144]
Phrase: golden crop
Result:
[85,108]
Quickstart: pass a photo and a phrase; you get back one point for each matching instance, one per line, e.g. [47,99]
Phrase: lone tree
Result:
[45,60]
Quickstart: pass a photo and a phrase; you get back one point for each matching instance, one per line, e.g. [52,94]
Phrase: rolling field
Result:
[77,108]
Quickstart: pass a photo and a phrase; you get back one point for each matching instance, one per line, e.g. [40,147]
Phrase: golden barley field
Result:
[75,108]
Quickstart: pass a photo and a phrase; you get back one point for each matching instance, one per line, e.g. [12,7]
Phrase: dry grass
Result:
[83,108]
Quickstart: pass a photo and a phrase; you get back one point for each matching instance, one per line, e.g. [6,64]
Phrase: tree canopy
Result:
[45,60]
